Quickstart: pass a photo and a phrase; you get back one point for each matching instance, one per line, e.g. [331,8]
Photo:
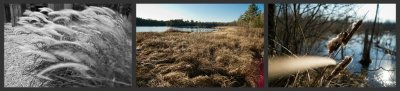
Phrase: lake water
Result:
[381,58]
[163,28]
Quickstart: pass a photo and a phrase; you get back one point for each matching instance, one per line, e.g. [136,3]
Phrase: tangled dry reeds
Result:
[89,48]
[282,69]
[224,58]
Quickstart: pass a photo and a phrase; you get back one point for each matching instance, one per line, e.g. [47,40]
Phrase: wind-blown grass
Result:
[78,67]
[98,52]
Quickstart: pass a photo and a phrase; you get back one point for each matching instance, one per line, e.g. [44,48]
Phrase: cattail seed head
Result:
[340,67]
[333,44]
[354,28]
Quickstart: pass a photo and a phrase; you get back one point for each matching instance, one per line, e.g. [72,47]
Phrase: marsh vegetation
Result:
[227,56]
[223,58]
[337,32]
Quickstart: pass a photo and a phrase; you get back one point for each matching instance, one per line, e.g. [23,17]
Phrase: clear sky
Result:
[386,12]
[197,12]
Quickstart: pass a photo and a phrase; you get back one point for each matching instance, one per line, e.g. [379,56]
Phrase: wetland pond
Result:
[163,28]
[381,72]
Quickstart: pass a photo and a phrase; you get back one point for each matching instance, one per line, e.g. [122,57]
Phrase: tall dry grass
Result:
[224,58]
[89,48]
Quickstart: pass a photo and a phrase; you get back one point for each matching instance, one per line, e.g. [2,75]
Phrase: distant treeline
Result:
[380,26]
[178,23]
[252,18]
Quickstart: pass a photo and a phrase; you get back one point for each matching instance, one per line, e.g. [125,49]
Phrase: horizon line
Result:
[185,20]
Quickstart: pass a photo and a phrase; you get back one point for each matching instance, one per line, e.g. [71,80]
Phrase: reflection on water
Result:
[380,73]
[163,28]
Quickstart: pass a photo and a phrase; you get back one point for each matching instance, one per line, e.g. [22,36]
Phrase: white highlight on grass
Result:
[78,67]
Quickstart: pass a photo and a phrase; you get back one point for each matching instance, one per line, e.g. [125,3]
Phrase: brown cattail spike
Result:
[343,38]
[333,44]
[340,67]
[354,28]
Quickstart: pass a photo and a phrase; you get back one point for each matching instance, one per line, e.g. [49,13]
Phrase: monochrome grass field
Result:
[68,48]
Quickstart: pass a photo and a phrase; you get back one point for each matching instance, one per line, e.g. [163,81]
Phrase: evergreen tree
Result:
[252,17]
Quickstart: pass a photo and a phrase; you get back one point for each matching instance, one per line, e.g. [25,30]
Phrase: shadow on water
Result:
[381,71]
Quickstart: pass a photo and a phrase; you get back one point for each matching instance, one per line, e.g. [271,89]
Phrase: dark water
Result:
[376,77]
[163,28]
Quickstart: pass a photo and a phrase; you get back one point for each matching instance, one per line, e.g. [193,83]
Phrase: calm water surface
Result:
[163,28]
[380,56]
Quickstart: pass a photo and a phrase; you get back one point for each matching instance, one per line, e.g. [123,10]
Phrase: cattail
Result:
[340,67]
[342,38]
[333,44]
[354,28]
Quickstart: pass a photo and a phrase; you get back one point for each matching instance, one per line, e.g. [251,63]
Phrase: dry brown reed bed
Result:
[223,58]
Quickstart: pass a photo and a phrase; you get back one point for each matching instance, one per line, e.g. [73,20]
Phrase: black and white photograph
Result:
[67,45]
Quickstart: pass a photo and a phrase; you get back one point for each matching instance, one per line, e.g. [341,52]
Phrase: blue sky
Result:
[197,12]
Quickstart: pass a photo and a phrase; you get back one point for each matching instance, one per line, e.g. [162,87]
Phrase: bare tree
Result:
[271,28]
[299,26]
[366,60]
